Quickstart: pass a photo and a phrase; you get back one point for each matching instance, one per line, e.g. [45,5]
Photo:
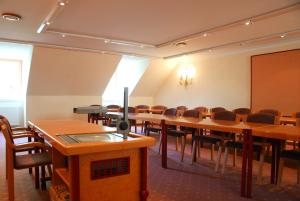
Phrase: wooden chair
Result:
[215,110]
[184,131]
[259,144]
[160,108]
[181,109]
[289,155]
[24,161]
[202,109]
[142,109]
[242,113]
[92,117]
[113,107]
[274,112]
[215,137]
[132,122]
[19,132]
[156,128]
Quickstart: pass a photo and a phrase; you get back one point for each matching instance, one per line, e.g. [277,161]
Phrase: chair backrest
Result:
[184,108]
[264,118]
[159,107]
[170,112]
[225,115]
[6,122]
[270,111]
[142,107]
[201,109]
[298,122]
[217,109]
[113,107]
[191,113]
[296,115]
[6,132]
[130,109]
[242,111]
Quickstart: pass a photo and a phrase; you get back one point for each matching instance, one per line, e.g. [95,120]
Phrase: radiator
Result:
[13,111]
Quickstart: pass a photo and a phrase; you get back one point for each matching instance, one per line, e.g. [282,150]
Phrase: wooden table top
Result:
[284,132]
[50,129]
[288,120]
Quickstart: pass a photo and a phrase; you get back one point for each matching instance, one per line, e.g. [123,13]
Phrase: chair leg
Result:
[218,158]
[280,171]
[29,152]
[6,163]
[10,177]
[160,139]
[225,160]
[176,144]
[183,139]
[298,175]
[49,170]
[37,177]
[43,178]
[261,165]
[212,152]
[234,157]
[194,147]
[200,145]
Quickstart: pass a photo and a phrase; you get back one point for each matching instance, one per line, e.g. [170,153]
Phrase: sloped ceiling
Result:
[56,72]
[151,28]
[154,77]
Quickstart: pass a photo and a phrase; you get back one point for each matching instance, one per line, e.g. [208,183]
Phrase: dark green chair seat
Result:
[291,154]
[32,160]
[209,138]
[239,145]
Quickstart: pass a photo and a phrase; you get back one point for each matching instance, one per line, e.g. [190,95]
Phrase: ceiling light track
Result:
[104,39]
[242,22]
[77,48]
[56,9]
[239,43]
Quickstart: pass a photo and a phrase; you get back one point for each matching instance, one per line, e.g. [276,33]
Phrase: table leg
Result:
[144,174]
[250,165]
[276,149]
[246,177]
[164,144]
[244,164]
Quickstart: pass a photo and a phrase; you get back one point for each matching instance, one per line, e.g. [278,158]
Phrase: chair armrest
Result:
[19,129]
[31,145]
[21,135]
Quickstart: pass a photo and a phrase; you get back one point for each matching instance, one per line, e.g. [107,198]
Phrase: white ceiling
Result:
[157,23]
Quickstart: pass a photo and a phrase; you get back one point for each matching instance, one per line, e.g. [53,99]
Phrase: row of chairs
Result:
[227,140]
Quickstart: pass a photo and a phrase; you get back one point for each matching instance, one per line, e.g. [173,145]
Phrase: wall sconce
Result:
[186,75]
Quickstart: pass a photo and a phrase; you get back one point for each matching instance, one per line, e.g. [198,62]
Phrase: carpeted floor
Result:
[180,182]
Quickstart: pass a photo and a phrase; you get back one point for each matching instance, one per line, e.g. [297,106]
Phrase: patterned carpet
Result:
[180,182]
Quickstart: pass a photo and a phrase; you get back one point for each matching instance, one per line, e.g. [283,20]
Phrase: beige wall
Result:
[221,80]
[58,107]
[62,79]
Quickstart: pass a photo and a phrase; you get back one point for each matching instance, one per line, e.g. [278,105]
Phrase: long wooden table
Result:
[97,168]
[275,132]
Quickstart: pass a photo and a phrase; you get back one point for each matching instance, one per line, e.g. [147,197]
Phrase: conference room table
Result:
[276,134]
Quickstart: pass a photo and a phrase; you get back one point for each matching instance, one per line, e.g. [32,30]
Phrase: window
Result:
[11,79]
[128,73]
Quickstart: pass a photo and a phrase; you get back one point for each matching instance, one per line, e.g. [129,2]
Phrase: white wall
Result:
[63,79]
[58,107]
[220,80]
